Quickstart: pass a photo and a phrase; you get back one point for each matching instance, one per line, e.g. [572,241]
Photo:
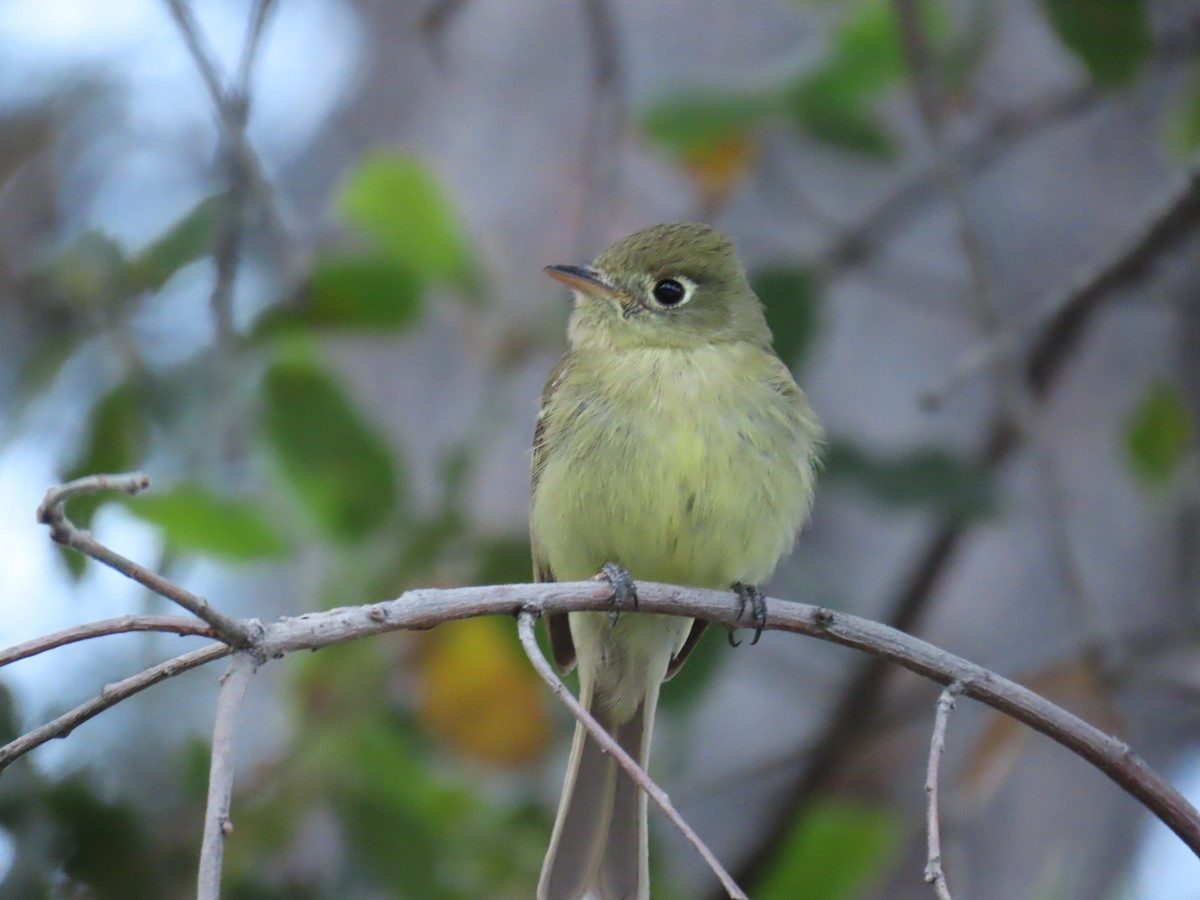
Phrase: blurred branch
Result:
[111,695]
[1014,397]
[232,110]
[1071,311]
[217,824]
[119,625]
[1168,222]
[235,632]
[525,622]
[242,176]
[604,115]
[928,93]
[937,746]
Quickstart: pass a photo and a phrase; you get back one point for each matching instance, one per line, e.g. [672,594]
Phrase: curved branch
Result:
[118,625]
[425,608]
[428,607]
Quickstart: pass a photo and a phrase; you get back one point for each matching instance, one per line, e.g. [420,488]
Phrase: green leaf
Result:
[397,201]
[840,124]
[372,293]
[106,845]
[1158,434]
[194,519]
[339,468]
[189,239]
[833,852]
[925,478]
[832,102]
[1184,120]
[116,440]
[1111,37]
[790,296]
[698,120]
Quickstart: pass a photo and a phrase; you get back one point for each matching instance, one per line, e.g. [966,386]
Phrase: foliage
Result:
[1158,435]
[397,746]
[833,852]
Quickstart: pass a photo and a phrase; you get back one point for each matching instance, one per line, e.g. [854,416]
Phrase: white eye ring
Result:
[669,293]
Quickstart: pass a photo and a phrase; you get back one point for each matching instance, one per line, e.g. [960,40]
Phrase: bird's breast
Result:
[681,466]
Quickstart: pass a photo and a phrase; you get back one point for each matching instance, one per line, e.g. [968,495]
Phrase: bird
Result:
[672,444]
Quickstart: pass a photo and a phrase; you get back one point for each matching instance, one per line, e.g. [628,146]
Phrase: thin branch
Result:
[217,824]
[231,117]
[235,632]
[258,23]
[937,745]
[525,622]
[111,695]
[1168,222]
[119,625]
[928,93]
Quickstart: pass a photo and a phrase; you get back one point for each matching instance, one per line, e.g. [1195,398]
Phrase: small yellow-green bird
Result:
[672,445]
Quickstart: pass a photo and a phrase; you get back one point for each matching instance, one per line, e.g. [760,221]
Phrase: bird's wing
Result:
[561,643]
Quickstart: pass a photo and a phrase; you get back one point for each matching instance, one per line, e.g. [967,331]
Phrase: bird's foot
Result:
[624,590]
[749,594]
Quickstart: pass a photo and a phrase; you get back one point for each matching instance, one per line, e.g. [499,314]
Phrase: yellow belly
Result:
[681,466]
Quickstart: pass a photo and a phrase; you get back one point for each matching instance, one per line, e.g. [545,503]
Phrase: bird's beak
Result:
[578,278]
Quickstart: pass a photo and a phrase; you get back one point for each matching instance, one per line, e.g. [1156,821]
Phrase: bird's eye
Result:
[669,292]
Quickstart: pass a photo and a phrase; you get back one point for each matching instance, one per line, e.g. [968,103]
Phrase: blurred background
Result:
[285,258]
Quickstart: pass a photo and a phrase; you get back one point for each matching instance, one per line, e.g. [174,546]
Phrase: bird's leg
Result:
[750,594]
[624,590]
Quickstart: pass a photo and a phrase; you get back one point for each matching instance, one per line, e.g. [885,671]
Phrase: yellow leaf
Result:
[480,695]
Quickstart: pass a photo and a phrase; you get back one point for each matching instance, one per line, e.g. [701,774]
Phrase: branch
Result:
[217,824]
[1040,367]
[426,607]
[1168,221]
[525,620]
[937,745]
[111,695]
[236,633]
[119,625]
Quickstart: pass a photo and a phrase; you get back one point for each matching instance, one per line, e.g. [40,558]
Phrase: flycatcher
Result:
[672,445]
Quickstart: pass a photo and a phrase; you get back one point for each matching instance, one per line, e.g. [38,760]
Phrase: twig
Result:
[937,745]
[232,103]
[217,824]
[525,622]
[231,119]
[111,695]
[604,115]
[119,625]
[235,632]
[928,93]
[1165,225]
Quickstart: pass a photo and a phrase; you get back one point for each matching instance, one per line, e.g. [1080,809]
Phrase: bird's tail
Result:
[599,842]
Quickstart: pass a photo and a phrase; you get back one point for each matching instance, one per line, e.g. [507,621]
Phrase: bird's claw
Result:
[749,594]
[624,590]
